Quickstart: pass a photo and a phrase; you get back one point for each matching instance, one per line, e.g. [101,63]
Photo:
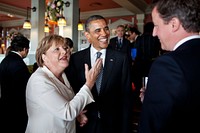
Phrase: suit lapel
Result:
[86,57]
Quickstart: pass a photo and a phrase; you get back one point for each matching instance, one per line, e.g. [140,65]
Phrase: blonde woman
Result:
[52,105]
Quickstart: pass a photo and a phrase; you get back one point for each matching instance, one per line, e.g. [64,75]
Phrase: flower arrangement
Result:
[54,9]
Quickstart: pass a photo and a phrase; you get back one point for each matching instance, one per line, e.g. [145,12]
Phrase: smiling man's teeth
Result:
[103,40]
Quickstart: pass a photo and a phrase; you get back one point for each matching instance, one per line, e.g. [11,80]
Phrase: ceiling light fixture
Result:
[80,24]
[46,26]
[62,21]
[27,24]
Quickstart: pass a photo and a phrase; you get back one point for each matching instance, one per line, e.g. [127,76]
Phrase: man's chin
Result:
[104,45]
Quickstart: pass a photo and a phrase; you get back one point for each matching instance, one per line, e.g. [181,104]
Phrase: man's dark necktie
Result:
[119,44]
[99,78]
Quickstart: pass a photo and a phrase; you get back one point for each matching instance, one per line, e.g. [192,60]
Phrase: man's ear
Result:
[87,35]
[175,23]
[24,50]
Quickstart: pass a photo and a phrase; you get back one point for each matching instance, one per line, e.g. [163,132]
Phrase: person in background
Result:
[120,42]
[111,111]
[133,35]
[14,76]
[70,43]
[52,105]
[148,49]
[171,101]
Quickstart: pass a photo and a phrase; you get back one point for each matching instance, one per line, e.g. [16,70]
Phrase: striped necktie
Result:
[98,55]
[99,78]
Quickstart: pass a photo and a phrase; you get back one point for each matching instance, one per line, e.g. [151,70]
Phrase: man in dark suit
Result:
[171,100]
[111,111]
[14,76]
[148,49]
[120,43]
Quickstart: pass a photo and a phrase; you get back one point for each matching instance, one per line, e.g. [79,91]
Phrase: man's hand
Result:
[82,118]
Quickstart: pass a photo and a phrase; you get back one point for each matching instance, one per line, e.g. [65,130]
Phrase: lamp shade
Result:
[80,26]
[46,28]
[62,21]
[27,24]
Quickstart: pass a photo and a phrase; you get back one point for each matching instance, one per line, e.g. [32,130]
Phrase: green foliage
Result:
[54,9]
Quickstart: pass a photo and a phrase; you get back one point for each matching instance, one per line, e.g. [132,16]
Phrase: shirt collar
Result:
[16,53]
[120,38]
[94,51]
[93,55]
[184,40]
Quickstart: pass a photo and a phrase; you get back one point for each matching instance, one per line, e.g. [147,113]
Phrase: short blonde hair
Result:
[45,44]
